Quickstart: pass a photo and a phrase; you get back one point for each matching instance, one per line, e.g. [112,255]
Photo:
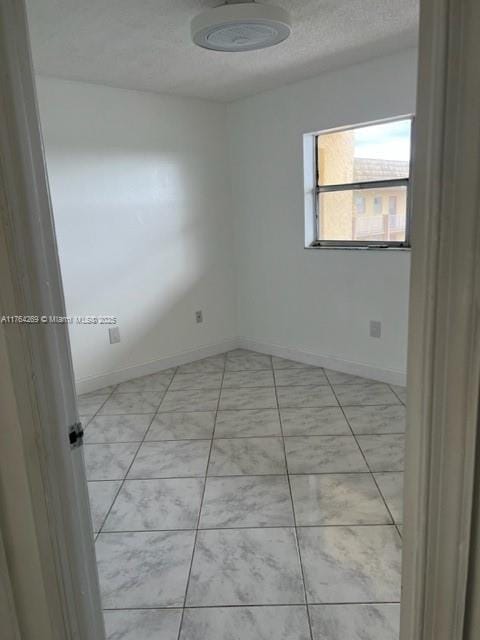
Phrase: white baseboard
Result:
[391,376]
[85,385]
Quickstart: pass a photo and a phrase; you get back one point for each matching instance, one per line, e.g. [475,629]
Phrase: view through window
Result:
[363,176]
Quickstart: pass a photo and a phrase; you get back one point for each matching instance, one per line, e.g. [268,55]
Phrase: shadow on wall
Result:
[140,239]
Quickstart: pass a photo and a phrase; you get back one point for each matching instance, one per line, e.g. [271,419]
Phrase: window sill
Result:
[314,247]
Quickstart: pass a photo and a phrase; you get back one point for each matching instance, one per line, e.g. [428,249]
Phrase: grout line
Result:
[118,415]
[187,585]
[268,435]
[368,466]
[119,392]
[297,543]
[251,437]
[282,408]
[245,475]
[396,394]
[342,406]
[249,606]
[97,533]
[94,415]
[122,482]
[168,412]
[130,466]
[253,527]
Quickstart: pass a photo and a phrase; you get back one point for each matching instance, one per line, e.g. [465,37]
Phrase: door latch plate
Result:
[75,435]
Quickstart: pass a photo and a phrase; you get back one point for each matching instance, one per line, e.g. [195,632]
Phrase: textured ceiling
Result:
[146,45]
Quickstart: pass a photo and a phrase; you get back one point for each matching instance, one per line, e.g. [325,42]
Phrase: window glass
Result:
[339,217]
[364,154]
[362,180]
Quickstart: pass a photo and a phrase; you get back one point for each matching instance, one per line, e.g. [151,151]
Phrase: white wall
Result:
[140,191]
[317,301]
[153,222]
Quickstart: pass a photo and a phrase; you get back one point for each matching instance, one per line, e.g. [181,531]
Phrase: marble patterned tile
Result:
[247,456]
[400,392]
[90,404]
[285,363]
[244,567]
[261,398]
[143,569]
[172,459]
[213,364]
[191,400]
[247,423]
[355,621]
[308,396]
[183,381]
[383,453]
[343,499]
[132,402]
[376,420]
[177,425]
[153,382]
[142,624]
[303,377]
[319,421]
[248,362]
[101,495]
[238,379]
[247,501]
[144,505]
[235,564]
[127,428]
[338,377]
[391,486]
[351,564]
[85,419]
[365,394]
[108,461]
[104,391]
[324,454]
[246,623]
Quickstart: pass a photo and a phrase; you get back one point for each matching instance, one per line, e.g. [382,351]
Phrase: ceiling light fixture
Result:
[241,26]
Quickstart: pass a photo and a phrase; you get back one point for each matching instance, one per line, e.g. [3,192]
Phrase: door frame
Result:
[441,558]
[442,454]
[44,511]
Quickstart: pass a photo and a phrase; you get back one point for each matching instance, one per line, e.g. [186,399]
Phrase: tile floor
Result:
[247,497]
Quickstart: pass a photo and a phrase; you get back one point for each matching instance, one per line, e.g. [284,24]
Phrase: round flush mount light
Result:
[241,26]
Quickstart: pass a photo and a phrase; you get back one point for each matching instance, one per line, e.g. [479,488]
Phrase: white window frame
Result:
[312,191]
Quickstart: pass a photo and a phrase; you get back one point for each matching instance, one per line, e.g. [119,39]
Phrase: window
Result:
[359,204]
[377,205]
[361,184]
[392,205]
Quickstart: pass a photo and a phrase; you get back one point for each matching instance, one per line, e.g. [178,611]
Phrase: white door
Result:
[40,352]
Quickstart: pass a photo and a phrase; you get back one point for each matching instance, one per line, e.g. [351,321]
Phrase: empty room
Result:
[231,187]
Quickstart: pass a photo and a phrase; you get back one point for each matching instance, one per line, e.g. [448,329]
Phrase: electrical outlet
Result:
[199,316]
[114,334]
[375,329]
